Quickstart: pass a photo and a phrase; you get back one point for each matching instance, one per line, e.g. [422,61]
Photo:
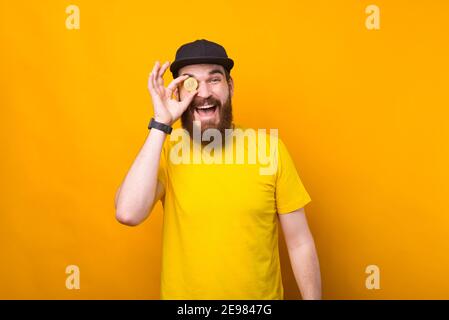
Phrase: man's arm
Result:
[302,253]
[140,189]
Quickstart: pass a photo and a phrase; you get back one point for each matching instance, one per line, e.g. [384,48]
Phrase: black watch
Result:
[160,126]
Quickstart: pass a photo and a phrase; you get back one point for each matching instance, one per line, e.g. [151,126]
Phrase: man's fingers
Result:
[186,101]
[150,83]
[176,93]
[153,91]
[154,72]
[175,83]
[160,74]
[155,67]
[156,82]
[163,69]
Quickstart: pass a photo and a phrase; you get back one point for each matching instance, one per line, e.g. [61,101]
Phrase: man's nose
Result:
[203,90]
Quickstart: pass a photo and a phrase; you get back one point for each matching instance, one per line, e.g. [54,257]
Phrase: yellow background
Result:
[364,114]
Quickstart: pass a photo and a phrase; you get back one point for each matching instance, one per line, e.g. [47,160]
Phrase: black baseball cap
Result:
[200,51]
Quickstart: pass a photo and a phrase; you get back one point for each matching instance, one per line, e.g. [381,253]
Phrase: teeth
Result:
[205,107]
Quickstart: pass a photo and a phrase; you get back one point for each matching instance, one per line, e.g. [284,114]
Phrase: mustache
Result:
[199,101]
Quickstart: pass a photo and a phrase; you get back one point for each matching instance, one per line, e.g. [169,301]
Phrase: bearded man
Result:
[220,228]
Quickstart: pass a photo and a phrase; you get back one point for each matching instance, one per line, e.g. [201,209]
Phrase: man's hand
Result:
[166,109]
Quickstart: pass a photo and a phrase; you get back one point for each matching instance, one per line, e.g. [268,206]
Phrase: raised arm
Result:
[140,189]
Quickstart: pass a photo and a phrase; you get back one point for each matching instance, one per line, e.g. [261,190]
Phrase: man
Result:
[220,230]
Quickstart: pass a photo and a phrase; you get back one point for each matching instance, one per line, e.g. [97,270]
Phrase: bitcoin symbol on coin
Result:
[190,84]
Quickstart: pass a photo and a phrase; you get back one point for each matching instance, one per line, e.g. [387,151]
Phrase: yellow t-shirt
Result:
[220,227]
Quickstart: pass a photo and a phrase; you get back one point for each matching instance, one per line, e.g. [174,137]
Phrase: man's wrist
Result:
[160,126]
[164,121]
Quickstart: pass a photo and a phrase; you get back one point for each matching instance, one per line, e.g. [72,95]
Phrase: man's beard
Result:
[224,111]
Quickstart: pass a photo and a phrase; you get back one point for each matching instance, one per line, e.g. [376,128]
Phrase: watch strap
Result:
[160,126]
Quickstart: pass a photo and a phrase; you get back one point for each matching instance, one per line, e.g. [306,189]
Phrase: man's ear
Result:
[231,86]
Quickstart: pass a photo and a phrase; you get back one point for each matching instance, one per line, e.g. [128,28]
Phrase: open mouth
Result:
[206,110]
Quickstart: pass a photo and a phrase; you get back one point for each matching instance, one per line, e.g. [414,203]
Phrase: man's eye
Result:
[215,80]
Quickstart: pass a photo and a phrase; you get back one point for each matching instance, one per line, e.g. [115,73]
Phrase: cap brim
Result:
[227,63]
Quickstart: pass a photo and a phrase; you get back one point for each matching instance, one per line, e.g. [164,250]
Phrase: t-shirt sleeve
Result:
[290,192]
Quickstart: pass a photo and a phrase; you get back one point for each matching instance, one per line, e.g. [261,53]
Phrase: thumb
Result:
[188,99]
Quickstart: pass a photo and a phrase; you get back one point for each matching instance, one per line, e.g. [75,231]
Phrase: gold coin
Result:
[190,84]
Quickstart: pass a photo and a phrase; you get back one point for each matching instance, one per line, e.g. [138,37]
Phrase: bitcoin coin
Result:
[190,84]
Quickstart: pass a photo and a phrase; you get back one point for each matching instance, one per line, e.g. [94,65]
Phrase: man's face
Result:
[212,105]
